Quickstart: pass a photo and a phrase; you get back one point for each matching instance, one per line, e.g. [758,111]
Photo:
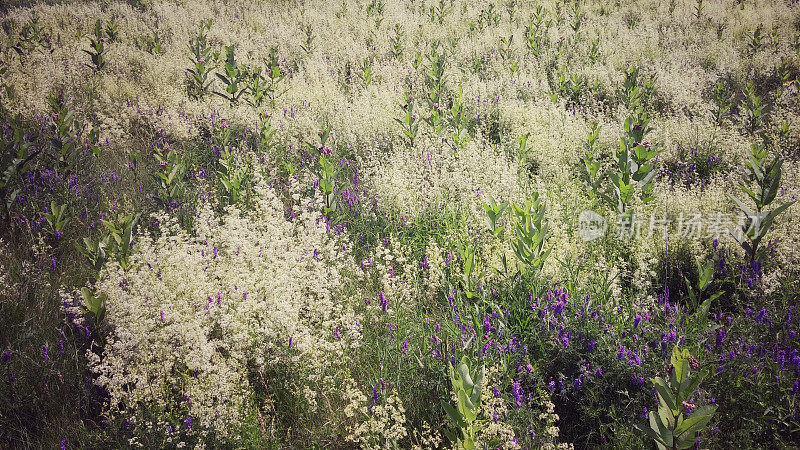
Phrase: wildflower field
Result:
[400,224]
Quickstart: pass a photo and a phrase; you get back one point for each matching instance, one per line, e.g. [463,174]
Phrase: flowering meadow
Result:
[400,224]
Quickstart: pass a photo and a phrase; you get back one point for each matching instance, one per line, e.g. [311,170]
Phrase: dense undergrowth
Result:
[382,224]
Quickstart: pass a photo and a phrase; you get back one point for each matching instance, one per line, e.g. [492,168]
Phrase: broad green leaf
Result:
[665,393]
[649,431]
[698,419]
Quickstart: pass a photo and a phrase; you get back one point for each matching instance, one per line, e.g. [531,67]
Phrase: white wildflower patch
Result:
[195,316]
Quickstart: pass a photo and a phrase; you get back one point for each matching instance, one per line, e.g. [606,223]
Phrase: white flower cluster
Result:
[195,313]
[381,425]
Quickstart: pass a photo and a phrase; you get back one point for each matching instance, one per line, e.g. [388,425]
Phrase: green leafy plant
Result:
[488,17]
[397,42]
[435,76]
[705,276]
[366,71]
[505,46]
[56,218]
[570,87]
[698,10]
[17,153]
[3,84]
[375,8]
[721,98]
[151,44]
[95,251]
[796,43]
[98,51]
[785,73]
[66,129]
[308,44]
[32,37]
[458,121]
[439,11]
[274,75]
[325,171]
[594,50]
[536,31]
[263,87]
[169,175]
[530,233]
[591,164]
[669,427]
[234,176]
[416,63]
[493,213]
[577,18]
[112,29]
[201,59]
[774,38]
[755,39]
[469,272]
[410,120]
[232,78]
[256,84]
[635,164]
[523,148]
[434,119]
[754,109]
[121,232]
[761,183]
[95,304]
[513,66]
[467,386]
[631,91]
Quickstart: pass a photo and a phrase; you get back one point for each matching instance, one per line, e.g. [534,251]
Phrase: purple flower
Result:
[44,352]
[188,422]
[162,316]
[578,383]
[516,391]
[720,336]
[636,321]
[496,392]
[384,302]
[592,344]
